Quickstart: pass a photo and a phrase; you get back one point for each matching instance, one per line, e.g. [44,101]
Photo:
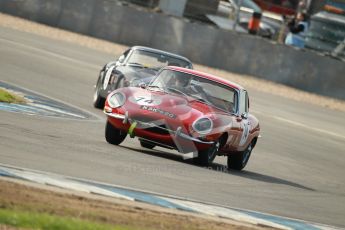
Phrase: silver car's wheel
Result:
[98,100]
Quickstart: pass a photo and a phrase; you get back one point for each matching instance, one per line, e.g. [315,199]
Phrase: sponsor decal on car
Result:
[156,110]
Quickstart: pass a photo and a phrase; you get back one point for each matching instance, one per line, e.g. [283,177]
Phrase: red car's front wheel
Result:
[207,156]
[113,135]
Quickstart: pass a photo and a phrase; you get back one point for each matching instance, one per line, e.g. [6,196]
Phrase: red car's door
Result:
[239,132]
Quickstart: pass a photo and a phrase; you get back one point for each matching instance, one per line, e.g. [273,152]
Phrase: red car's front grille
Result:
[142,118]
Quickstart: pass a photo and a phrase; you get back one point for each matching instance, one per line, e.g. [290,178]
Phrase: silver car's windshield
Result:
[153,60]
[198,88]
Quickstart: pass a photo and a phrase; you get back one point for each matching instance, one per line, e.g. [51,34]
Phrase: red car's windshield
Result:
[202,89]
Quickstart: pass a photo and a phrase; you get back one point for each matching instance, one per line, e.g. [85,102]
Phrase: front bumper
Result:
[132,127]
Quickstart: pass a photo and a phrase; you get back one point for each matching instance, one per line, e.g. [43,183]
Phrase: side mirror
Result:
[121,59]
[244,115]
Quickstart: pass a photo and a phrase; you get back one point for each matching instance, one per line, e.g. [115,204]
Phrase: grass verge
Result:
[6,96]
[23,206]
[21,219]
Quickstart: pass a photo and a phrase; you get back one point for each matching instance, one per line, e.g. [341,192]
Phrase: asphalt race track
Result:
[297,169]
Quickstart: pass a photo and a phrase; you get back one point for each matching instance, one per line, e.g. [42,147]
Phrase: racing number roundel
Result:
[145,100]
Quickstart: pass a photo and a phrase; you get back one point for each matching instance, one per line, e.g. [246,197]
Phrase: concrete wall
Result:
[200,7]
[42,11]
[175,7]
[240,53]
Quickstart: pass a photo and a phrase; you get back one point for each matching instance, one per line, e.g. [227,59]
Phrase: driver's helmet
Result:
[181,81]
[176,79]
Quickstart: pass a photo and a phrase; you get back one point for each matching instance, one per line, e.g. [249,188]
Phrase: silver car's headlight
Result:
[117,100]
[203,125]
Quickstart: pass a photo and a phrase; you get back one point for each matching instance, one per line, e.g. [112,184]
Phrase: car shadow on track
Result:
[162,154]
[258,177]
[222,169]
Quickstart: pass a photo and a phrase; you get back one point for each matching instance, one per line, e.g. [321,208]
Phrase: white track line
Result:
[308,127]
[295,123]
[50,53]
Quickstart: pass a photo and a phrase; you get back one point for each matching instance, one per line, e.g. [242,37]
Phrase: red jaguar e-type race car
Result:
[186,110]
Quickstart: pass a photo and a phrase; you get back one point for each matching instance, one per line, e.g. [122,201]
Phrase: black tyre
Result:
[147,145]
[98,100]
[113,135]
[206,157]
[239,160]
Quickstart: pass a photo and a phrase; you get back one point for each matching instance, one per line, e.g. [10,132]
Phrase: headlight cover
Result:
[117,100]
[203,125]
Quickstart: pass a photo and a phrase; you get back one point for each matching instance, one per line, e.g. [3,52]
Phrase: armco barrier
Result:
[240,53]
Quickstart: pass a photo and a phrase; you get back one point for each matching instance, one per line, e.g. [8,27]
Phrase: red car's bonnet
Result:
[146,105]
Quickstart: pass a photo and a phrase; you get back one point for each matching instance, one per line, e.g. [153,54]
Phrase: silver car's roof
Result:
[149,49]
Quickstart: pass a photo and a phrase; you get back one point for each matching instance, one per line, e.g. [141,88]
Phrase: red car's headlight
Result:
[117,100]
[203,125]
